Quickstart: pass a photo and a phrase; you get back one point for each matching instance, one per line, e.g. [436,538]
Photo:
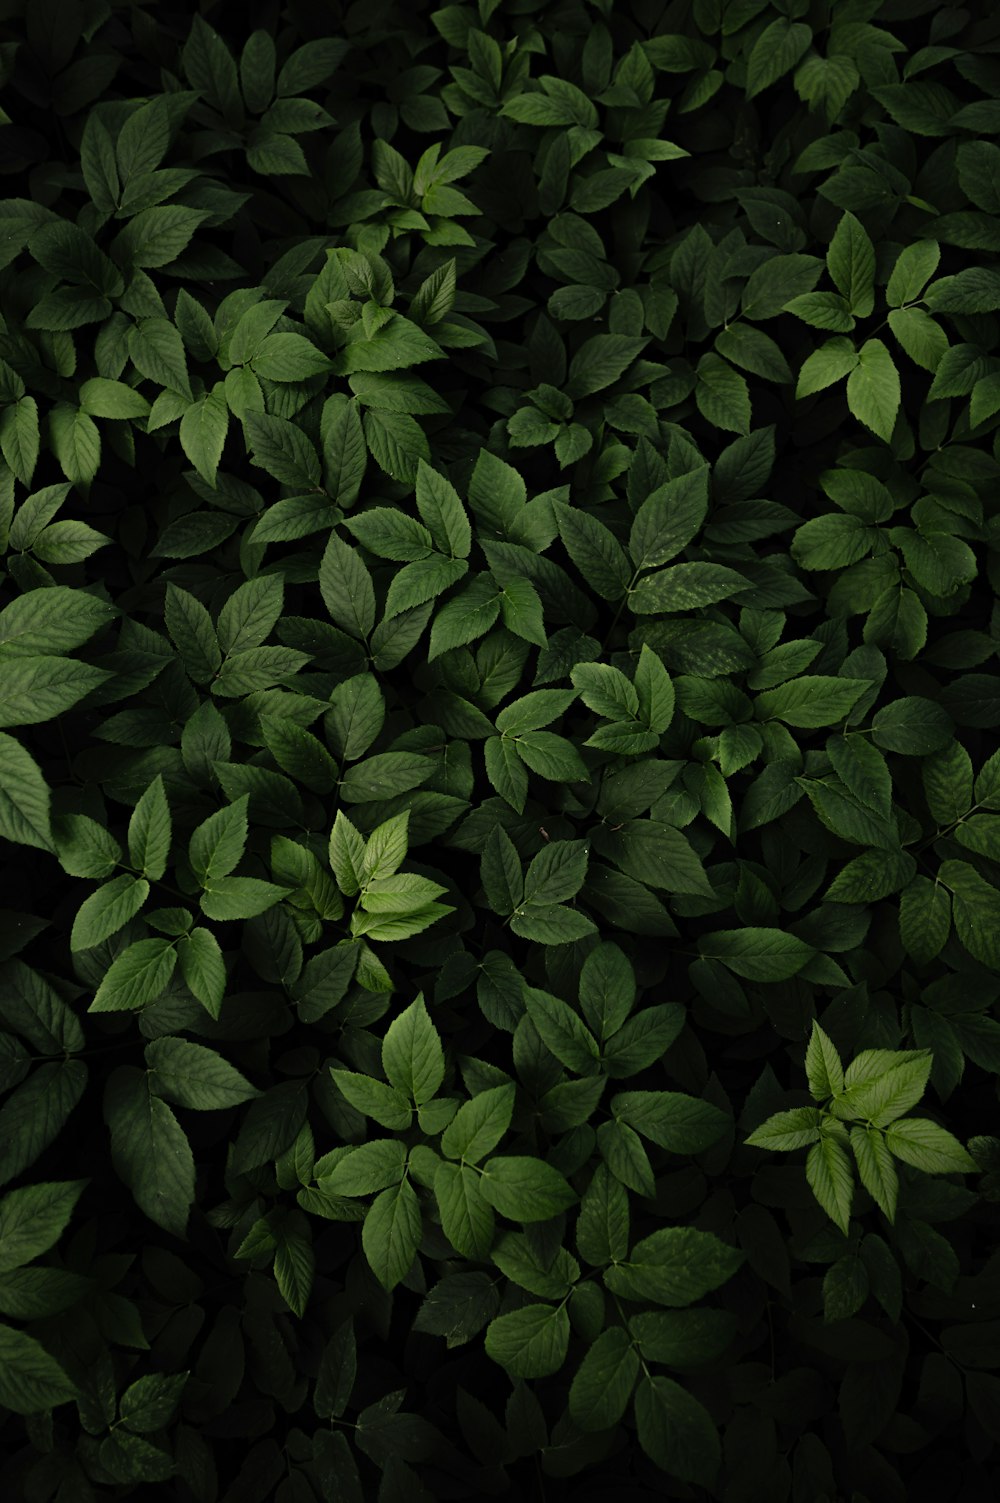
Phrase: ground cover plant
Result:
[499,788]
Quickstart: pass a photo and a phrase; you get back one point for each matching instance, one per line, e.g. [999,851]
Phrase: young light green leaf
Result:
[823,1067]
[875,1167]
[828,1170]
[925,1145]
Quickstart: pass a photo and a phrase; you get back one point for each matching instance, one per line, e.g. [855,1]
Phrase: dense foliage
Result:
[499,798]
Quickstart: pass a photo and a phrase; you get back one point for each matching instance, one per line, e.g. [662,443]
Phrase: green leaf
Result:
[600,361]
[670,1119]
[288,357]
[551,923]
[811,701]
[31,1381]
[915,265]
[294,1261]
[525,1189]
[149,1150]
[500,869]
[239,897]
[391,1233]
[595,551]
[925,918]
[373,1166]
[824,1070]
[722,394]
[138,976]
[467,1218]
[157,352]
[217,844]
[775,52]
[828,1170]
[562,1031]
[347,589]
[442,512]
[149,832]
[20,438]
[975,909]
[756,953]
[669,518]
[683,1338]
[54,620]
[38,688]
[33,1219]
[603,1383]
[926,1146]
[921,336]
[190,627]
[753,350]
[675,1430]
[412,1056]
[149,1403]
[530,1343]
[862,769]
[194,1076]
[203,969]
[551,756]
[830,363]
[387,1106]
[850,261]
[873,389]
[674,1266]
[521,611]
[386,847]
[479,1124]
[203,432]
[111,399]
[833,542]
[383,776]
[282,449]
[506,771]
[685,587]
[786,1131]
[466,617]
[107,910]
[607,989]
[913,726]
[25,797]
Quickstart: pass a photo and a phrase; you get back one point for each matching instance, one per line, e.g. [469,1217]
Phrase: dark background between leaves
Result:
[810,1401]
